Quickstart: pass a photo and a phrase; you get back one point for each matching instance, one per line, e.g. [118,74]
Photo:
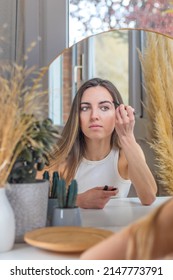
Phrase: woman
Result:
[98,148]
[148,238]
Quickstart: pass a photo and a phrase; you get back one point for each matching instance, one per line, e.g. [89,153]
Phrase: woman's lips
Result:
[94,126]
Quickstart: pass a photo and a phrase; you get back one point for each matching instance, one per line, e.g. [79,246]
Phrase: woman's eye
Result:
[104,108]
[85,108]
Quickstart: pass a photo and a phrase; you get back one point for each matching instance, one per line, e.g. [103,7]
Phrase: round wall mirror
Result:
[112,55]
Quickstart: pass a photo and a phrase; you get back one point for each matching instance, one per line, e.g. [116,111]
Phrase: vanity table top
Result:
[118,213]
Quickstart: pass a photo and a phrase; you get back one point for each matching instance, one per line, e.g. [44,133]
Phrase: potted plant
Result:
[33,158]
[62,209]
[26,139]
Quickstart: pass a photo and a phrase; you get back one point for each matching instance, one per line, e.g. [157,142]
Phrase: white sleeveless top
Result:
[92,174]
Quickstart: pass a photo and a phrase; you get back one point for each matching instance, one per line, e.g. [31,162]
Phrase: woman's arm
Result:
[137,168]
[95,198]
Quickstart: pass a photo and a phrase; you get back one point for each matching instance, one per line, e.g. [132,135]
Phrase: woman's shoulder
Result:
[61,169]
[166,215]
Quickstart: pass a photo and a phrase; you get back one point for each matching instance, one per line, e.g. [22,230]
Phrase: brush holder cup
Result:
[66,217]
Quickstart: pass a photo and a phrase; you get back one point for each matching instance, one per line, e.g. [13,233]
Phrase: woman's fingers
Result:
[124,112]
[130,112]
[124,120]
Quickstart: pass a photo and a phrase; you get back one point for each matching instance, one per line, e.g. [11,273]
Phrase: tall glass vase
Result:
[7,223]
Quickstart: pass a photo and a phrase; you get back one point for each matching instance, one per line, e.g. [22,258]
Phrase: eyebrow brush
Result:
[116,104]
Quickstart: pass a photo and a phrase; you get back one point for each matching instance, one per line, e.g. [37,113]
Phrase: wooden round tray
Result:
[66,239]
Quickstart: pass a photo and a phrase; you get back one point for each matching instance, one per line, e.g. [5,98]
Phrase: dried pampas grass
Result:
[157,67]
[21,103]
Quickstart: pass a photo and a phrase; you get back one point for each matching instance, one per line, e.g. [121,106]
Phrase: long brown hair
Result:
[72,143]
[143,236]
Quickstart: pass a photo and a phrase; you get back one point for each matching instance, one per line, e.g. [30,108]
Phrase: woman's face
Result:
[97,113]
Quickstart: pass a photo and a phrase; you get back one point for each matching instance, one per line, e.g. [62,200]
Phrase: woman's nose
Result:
[94,114]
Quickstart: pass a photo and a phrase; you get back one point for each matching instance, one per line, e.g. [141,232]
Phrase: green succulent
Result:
[66,198]
[42,137]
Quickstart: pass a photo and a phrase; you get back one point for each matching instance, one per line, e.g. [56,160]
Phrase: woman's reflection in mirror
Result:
[98,148]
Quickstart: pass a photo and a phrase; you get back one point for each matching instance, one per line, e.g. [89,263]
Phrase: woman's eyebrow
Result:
[86,103]
[101,102]
[106,101]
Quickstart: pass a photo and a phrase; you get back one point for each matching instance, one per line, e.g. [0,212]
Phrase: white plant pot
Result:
[29,202]
[66,217]
[7,223]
